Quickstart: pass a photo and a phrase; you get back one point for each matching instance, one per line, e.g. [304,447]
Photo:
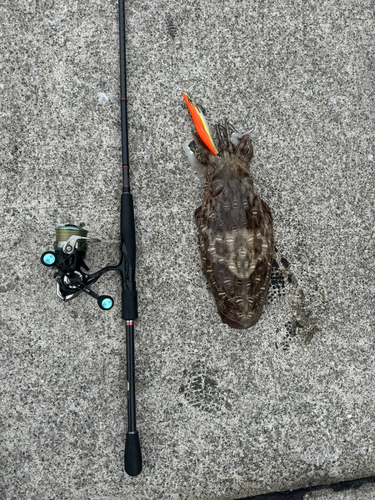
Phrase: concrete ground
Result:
[357,489]
[366,492]
[222,413]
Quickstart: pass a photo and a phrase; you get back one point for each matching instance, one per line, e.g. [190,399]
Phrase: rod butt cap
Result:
[133,455]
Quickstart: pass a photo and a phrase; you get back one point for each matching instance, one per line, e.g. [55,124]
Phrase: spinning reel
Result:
[71,270]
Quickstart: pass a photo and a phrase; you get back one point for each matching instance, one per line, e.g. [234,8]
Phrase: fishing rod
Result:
[133,456]
[72,272]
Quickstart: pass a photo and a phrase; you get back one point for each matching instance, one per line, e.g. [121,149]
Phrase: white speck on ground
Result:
[102,97]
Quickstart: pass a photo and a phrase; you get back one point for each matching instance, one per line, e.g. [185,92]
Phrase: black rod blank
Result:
[133,455]
[124,101]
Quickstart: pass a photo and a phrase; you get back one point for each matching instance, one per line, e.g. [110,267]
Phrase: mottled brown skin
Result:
[235,231]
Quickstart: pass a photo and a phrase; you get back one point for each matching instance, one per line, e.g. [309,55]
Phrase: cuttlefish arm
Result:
[236,136]
[194,162]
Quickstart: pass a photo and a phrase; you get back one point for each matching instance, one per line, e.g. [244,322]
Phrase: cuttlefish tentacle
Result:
[204,152]
[222,136]
[236,136]
[245,148]
[193,160]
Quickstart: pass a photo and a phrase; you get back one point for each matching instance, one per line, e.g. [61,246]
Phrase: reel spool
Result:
[71,270]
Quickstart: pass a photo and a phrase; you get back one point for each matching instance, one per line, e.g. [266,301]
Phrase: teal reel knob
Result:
[48,259]
[105,302]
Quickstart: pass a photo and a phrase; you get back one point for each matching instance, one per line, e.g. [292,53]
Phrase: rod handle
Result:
[129,304]
[129,293]
[128,232]
[133,455]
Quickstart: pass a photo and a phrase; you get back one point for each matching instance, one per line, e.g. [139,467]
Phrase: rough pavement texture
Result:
[222,413]
[365,492]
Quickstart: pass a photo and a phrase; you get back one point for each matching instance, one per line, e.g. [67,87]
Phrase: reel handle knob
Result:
[105,302]
[48,259]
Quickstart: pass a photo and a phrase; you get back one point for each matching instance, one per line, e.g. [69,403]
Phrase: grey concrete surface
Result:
[365,492]
[222,414]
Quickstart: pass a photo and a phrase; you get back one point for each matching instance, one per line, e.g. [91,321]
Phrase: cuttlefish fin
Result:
[200,123]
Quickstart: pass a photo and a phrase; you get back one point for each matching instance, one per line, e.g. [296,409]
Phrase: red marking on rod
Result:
[129,322]
[125,186]
[125,166]
[123,99]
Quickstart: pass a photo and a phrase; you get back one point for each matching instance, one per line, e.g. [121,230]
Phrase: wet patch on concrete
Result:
[302,323]
[202,389]
[303,326]
[171,25]
[281,278]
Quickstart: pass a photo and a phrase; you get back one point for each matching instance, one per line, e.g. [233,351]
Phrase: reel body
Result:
[71,273]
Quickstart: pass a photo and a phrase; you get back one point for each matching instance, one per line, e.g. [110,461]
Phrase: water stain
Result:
[302,323]
[171,26]
[281,278]
[202,389]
